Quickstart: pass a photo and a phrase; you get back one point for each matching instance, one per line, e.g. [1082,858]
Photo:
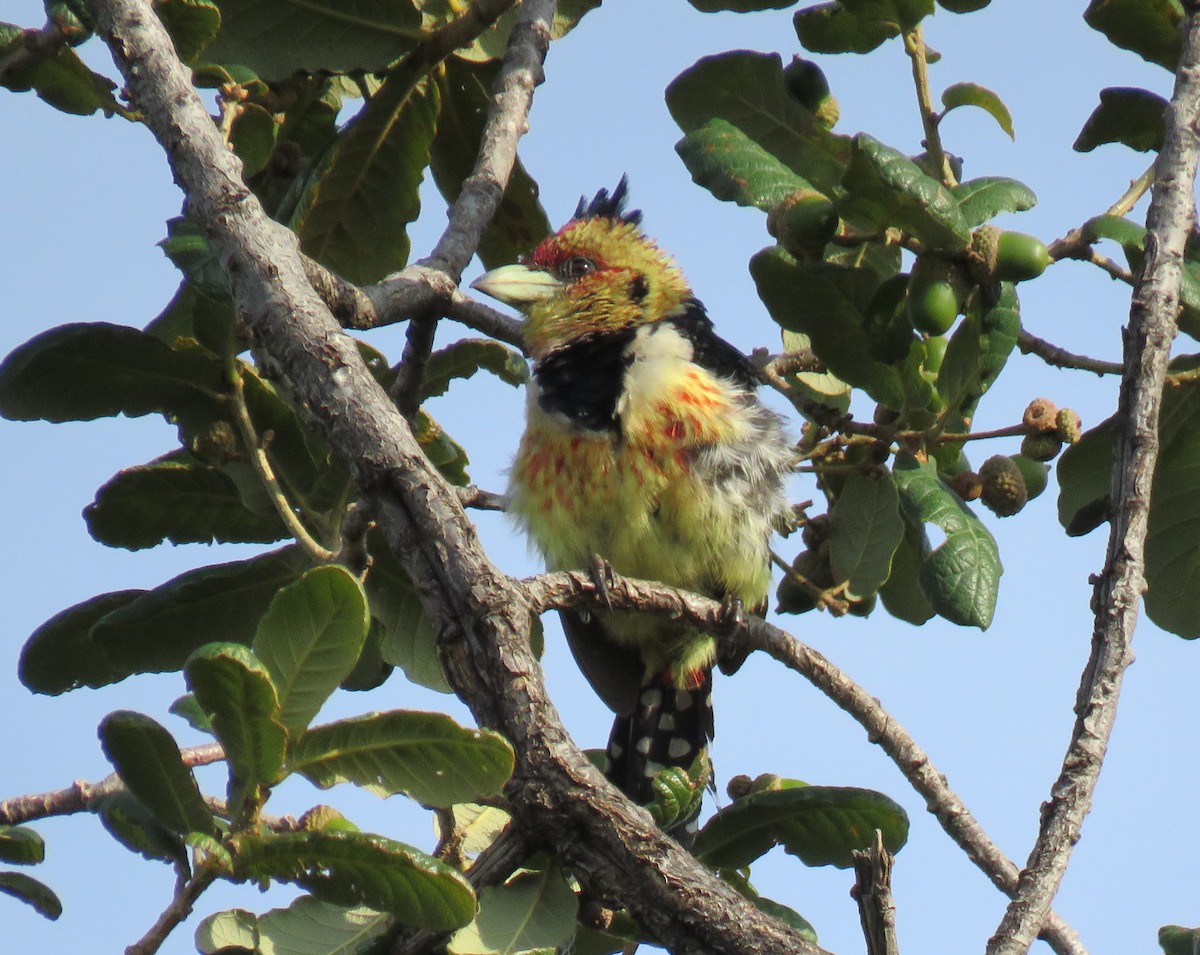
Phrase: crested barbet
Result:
[645,446]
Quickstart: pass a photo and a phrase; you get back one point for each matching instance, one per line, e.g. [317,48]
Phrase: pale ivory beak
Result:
[517,285]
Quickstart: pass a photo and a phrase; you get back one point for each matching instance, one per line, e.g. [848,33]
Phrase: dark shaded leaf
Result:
[32,892]
[134,826]
[1177,940]
[191,23]
[181,501]
[348,868]
[332,35]
[444,453]
[831,28]
[21,845]
[253,137]
[85,371]
[821,825]
[58,76]
[358,201]
[426,755]
[61,655]
[149,763]
[1133,117]
[1150,28]
[902,596]
[309,640]
[161,628]
[465,357]
[906,14]
[520,222]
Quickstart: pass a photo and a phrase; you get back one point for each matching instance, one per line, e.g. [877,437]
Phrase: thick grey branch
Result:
[1148,338]
[558,798]
[561,590]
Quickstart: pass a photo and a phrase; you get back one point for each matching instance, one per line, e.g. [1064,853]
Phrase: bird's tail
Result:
[669,727]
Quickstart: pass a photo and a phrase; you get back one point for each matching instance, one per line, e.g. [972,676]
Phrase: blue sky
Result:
[84,201]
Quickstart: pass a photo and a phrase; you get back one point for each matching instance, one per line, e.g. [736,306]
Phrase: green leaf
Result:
[134,826]
[788,916]
[253,137]
[987,197]
[888,189]
[520,223]
[826,302]
[1134,117]
[961,577]
[61,655]
[735,168]
[85,371]
[465,357]
[478,826]
[191,23]
[739,6]
[232,929]
[309,640]
[149,763]
[236,690]
[21,845]
[193,316]
[1084,475]
[1177,940]
[158,630]
[747,90]
[821,825]
[188,709]
[444,453]
[190,251]
[32,892]
[534,910]
[306,927]
[972,94]
[276,38]
[831,28]
[182,501]
[58,76]
[426,755]
[865,530]
[358,201]
[1150,28]
[409,640]
[979,348]
[349,868]
[905,14]
[490,44]
[902,596]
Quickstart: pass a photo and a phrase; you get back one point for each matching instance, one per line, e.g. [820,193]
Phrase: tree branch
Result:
[565,590]
[561,801]
[1147,340]
[873,893]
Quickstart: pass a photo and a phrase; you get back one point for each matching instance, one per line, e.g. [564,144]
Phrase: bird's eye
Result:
[576,267]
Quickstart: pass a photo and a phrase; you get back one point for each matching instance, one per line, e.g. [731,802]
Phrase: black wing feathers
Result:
[710,350]
[584,380]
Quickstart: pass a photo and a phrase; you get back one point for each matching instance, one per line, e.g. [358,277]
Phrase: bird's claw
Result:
[732,615]
[601,572]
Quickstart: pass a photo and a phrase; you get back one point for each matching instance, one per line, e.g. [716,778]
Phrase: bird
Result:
[646,450]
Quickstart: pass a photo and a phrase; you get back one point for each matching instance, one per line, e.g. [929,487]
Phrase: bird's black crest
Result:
[604,206]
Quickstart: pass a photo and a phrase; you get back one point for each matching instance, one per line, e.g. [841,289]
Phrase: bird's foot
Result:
[602,574]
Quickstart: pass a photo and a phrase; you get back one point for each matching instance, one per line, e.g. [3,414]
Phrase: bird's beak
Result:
[517,285]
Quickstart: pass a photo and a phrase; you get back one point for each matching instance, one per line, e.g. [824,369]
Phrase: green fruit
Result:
[1041,447]
[1020,257]
[1033,472]
[794,598]
[932,305]
[803,223]
[806,83]
[1004,492]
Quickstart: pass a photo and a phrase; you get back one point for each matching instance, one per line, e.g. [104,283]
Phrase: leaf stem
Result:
[914,46]
[262,465]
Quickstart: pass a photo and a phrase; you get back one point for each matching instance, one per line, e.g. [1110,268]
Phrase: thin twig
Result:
[1119,587]
[914,46]
[80,795]
[565,590]
[1030,344]
[262,466]
[410,377]
[179,909]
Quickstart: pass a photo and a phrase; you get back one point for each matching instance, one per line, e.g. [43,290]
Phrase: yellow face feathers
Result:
[595,275]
